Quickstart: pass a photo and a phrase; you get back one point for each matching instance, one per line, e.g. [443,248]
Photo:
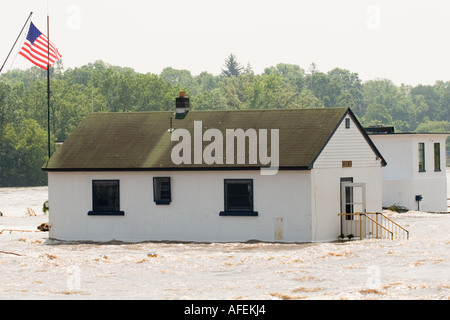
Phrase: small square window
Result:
[161,190]
[238,195]
[105,198]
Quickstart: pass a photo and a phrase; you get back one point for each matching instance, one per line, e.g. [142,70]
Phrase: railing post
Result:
[360,225]
[377,213]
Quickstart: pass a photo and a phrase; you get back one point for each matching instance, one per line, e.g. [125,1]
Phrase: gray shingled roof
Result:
[142,141]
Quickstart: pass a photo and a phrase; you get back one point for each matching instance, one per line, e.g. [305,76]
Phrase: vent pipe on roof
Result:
[171,125]
[182,106]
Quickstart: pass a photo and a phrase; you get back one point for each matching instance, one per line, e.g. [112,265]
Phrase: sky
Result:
[406,41]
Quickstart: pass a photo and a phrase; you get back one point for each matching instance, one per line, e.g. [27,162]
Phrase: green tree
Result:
[101,87]
[350,90]
[206,82]
[235,90]
[270,92]
[313,68]
[209,100]
[152,93]
[443,112]
[377,115]
[291,74]
[431,96]
[323,87]
[70,104]
[434,127]
[179,78]
[307,99]
[232,67]
[380,91]
[34,102]
[116,85]
[26,150]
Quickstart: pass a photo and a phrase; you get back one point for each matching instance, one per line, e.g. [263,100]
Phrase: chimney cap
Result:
[182,106]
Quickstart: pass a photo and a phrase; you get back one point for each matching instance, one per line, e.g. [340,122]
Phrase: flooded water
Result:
[34,267]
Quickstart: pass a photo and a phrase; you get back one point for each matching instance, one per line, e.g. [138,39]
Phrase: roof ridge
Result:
[233,110]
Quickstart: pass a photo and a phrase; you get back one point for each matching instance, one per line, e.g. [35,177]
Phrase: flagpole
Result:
[31,13]
[48,85]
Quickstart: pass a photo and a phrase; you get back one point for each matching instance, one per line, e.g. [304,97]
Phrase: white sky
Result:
[406,41]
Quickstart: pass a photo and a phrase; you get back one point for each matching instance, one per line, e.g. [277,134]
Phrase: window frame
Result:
[347,123]
[98,210]
[157,187]
[421,156]
[348,198]
[228,209]
[437,156]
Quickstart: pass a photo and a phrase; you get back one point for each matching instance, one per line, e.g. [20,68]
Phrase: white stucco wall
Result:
[347,144]
[326,202]
[282,200]
[402,180]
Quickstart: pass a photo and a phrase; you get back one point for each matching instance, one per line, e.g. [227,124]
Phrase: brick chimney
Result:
[182,106]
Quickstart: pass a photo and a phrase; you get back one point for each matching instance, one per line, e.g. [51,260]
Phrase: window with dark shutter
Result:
[238,195]
[161,190]
[105,198]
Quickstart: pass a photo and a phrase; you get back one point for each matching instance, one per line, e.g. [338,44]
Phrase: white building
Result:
[415,176]
[115,178]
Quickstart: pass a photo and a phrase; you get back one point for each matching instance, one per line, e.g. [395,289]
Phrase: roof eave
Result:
[171,169]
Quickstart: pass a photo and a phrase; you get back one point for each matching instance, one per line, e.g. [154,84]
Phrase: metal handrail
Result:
[376,223]
[392,221]
[379,225]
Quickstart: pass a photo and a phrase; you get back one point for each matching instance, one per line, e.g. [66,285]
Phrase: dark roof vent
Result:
[182,106]
[379,130]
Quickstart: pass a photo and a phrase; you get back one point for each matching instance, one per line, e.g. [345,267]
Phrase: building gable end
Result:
[348,146]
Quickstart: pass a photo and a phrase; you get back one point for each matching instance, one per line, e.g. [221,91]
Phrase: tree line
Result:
[100,87]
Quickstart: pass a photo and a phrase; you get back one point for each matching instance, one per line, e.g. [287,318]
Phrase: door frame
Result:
[344,203]
[352,223]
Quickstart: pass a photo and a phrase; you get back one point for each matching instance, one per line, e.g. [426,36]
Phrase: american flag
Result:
[36,46]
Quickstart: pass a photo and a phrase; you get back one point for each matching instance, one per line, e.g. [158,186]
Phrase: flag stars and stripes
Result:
[38,50]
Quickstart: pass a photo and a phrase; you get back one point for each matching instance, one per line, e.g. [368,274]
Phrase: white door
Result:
[353,200]
[353,197]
